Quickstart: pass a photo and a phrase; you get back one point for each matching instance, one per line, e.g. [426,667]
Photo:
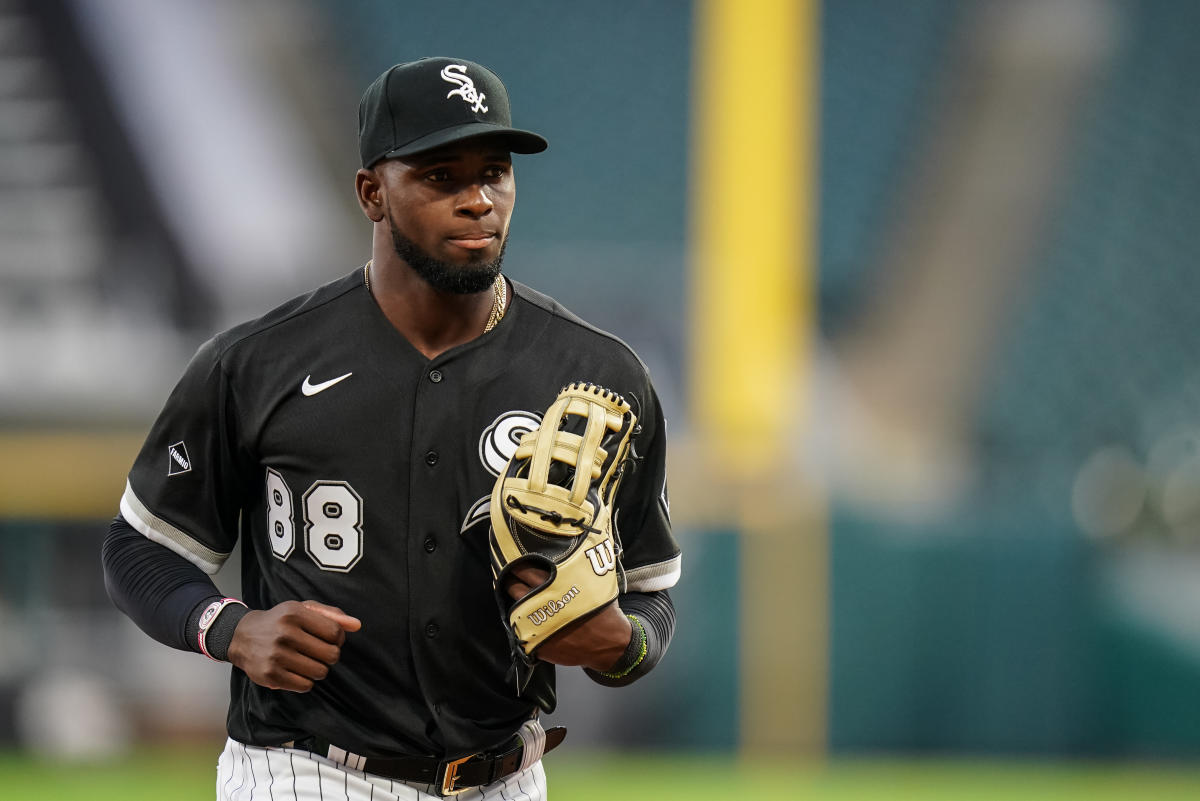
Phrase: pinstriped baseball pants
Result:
[250,773]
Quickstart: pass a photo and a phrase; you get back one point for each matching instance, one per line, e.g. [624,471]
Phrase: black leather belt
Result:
[448,776]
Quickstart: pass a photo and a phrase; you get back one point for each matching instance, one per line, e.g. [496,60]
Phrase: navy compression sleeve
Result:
[158,589]
[654,626]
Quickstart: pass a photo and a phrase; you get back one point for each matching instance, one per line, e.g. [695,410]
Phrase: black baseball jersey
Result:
[357,473]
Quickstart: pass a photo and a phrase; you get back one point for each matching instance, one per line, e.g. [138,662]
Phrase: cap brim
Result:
[517,141]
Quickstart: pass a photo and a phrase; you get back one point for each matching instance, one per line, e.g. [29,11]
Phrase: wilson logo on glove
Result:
[540,616]
[601,558]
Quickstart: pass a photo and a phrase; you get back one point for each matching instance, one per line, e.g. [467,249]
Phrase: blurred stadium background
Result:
[916,281]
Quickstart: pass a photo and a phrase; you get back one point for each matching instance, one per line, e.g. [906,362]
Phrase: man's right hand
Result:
[291,645]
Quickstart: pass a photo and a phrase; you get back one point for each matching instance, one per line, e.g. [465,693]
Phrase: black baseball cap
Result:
[424,104]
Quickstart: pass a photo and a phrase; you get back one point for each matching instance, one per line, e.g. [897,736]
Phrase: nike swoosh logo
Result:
[310,389]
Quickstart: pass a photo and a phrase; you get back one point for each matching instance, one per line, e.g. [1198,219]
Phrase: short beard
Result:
[444,276]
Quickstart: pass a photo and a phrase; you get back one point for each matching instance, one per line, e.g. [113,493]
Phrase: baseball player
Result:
[351,439]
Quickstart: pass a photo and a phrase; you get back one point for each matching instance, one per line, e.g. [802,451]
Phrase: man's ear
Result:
[369,190]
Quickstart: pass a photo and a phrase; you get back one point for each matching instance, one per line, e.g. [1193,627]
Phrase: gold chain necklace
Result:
[499,297]
[499,301]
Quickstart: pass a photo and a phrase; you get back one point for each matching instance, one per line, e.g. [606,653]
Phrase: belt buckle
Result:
[448,777]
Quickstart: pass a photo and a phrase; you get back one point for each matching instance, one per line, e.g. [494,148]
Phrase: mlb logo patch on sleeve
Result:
[178,461]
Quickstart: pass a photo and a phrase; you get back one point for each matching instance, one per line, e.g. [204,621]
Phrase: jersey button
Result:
[430,545]
[435,376]
[431,458]
[431,630]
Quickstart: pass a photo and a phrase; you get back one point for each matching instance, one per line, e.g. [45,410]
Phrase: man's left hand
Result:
[595,642]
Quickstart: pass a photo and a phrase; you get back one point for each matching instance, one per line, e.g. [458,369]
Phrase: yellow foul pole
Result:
[751,221]
[752,237]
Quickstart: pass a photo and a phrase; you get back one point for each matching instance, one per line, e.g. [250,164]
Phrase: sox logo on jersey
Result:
[497,445]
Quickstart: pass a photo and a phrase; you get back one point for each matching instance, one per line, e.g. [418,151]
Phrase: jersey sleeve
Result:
[186,486]
[651,558]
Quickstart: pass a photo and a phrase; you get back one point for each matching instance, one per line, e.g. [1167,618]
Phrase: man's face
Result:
[449,210]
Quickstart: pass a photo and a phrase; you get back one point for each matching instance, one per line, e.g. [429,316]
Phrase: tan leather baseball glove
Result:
[552,508]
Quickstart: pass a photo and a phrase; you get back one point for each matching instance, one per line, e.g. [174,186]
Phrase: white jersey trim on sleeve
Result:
[158,530]
[655,577]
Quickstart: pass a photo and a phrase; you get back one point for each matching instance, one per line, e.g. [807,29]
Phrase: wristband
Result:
[208,617]
[634,653]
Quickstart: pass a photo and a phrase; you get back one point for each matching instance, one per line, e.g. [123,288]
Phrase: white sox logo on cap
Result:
[457,74]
